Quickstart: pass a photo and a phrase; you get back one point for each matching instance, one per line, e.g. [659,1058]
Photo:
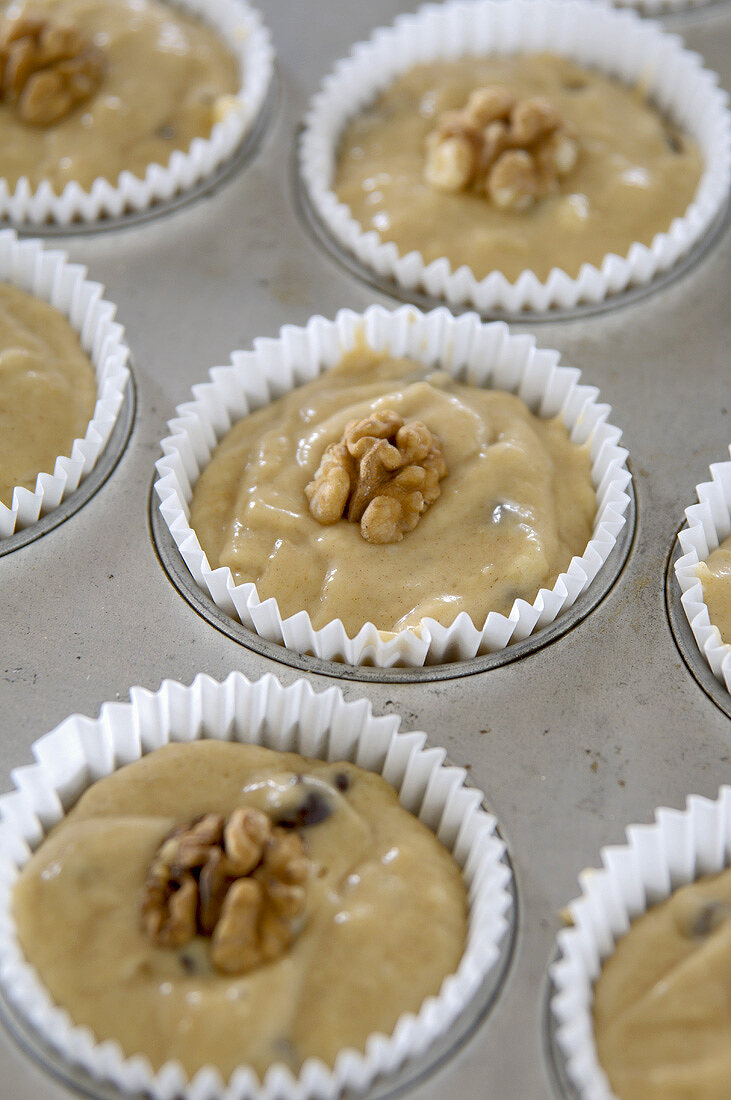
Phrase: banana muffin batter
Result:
[662,1013]
[715,576]
[516,504]
[152,78]
[382,924]
[633,174]
[47,389]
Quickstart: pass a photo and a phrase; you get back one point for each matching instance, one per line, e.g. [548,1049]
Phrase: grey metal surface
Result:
[572,742]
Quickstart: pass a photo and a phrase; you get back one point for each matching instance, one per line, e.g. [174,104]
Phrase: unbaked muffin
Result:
[48,389]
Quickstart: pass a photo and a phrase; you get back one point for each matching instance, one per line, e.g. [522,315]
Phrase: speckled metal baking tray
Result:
[571,741]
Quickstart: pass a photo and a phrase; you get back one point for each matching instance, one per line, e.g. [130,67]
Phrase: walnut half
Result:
[383,474]
[513,152]
[47,69]
[241,881]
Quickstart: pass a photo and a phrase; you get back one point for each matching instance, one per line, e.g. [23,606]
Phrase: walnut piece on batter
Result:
[242,881]
[47,69]
[383,474]
[513,152]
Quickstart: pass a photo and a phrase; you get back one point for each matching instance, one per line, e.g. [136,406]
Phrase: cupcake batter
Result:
[385,919]
[662,1012]
[166,79]
[635,172]
[715,576]
[517,502]
[47,389]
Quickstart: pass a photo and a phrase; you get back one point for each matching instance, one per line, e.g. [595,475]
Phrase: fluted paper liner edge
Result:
[484,355]
[243,31]
[619,43]
[46,274]
[708,524]
[679,847]
[289,719]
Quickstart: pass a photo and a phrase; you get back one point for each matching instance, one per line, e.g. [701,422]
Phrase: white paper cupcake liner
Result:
[288,719]
[249,41]
[709,523]
[618,43]
[680,847]
[483,355]
[47,275]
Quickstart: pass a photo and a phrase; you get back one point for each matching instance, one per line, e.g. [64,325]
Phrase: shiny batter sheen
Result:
[166,79]
[635,172]
[715,576]
[47,389]
[385,920]
[517,502]
[662,1010]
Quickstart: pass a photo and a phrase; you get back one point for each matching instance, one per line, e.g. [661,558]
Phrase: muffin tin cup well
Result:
[708,524]
[618,43]
[47,275]
[243,31]
[483,355]
[201,602]
[291,719]
[662,9]
[681,846]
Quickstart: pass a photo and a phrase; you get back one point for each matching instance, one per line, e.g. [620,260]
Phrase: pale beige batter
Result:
[662,1010]
[715,576]
[517,502]
[385,920]
[634,175]
[166,79]
[47,389]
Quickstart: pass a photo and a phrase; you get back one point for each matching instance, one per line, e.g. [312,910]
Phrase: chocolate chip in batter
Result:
[675,142]
[188,963]
[709,917]
[166,132]
[313,809]
[287,1052]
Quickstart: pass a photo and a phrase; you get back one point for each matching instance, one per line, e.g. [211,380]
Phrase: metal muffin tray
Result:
[571,740]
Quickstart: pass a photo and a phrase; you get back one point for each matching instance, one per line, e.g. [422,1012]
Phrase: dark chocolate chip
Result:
[313,809]
[709,917]
[342,781]
[188,963]
[287,1052]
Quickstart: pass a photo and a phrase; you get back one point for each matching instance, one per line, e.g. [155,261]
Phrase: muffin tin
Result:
[570,741]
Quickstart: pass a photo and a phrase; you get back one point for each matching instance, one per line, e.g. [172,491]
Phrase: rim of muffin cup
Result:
[474,352]
[242,30]
[678,848]
[708,523]
[618,43]
[47,275]
[287,719]
[664,7]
